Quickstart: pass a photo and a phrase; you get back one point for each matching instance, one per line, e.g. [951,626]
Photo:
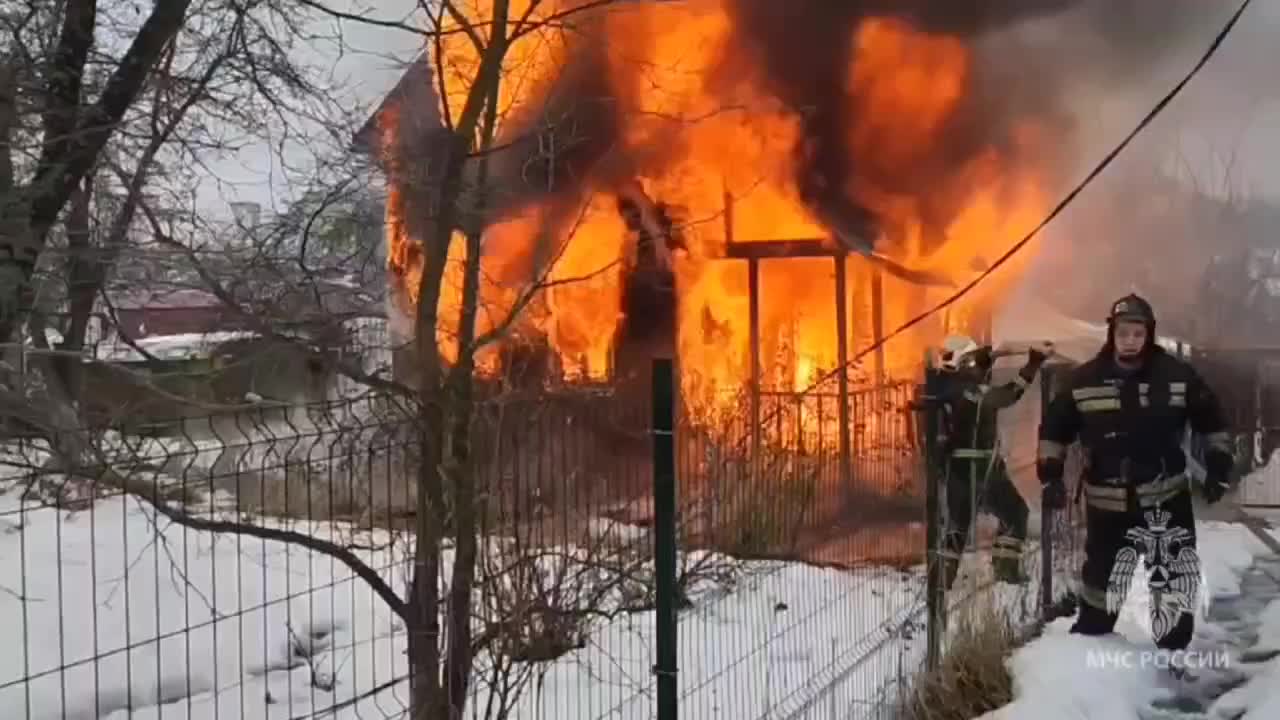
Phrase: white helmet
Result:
[954,350]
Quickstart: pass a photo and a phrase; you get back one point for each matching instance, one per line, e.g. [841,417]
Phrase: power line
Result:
[1057,210]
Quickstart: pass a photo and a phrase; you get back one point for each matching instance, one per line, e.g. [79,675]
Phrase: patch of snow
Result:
[110,609]
[1269,632]
[1262,486]
[112,613]
[1060,676]
[1259,698]
[1054,680]
[184,346]
[1226,551]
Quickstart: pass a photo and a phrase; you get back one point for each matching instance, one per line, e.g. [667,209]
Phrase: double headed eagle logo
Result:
[1174,571]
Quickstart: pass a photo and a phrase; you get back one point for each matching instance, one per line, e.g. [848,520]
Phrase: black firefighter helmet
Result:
[1134,308]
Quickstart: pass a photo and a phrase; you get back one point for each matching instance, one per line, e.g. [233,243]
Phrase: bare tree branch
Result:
[69,155]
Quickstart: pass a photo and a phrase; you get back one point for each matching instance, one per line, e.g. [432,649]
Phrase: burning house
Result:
[866,144]
[639,153]
[761,189]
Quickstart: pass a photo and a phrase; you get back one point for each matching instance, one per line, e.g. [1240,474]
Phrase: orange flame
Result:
[668,61]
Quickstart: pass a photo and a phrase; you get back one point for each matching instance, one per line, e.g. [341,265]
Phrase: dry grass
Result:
[972,678]
[764,515]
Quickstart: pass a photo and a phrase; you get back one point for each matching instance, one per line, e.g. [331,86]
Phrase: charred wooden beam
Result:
[647,328]
[825,248]
[653,222]
[797,248]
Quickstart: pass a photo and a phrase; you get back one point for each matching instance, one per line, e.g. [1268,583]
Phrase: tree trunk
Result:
[461,393]
[82,289]
[424,595]
[461,471]
[427,700]
[430,698]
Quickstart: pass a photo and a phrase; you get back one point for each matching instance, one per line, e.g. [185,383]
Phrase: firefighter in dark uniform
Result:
[1129,407]
[976,472]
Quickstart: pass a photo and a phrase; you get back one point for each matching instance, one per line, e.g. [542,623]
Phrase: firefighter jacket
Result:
[1131,426]
[970,410]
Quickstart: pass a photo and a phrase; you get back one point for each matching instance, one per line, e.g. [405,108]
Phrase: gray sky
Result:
[361,68]
[1230,107]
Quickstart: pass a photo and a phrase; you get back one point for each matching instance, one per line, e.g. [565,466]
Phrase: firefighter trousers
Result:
[1164,536]
[986,480]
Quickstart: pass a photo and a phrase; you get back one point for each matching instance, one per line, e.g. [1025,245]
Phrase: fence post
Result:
[1046,515]
[935,601]
[664,532]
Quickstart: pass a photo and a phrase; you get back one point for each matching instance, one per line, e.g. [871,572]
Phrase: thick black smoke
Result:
[805,48]
[801,51]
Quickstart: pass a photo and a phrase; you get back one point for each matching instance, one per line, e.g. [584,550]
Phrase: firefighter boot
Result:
[1093,621]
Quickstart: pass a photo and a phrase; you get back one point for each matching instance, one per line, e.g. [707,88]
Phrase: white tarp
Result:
[1028,320]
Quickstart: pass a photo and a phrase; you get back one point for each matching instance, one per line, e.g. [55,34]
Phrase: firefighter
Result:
[976,471]
[1129,407]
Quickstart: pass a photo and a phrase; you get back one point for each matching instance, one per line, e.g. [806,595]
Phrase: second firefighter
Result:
[977,477]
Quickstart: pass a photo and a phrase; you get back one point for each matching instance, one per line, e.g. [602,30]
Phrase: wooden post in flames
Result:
[753,294]
[756,251]
[842,365]
[753,312]
[877,321]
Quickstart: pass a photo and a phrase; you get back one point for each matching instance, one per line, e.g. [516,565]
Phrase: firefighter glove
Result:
[1215,486]
[984,357]
[1054,493]
[1217,476]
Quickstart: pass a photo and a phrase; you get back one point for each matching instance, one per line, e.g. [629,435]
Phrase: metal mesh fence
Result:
[258,563]
[201,573]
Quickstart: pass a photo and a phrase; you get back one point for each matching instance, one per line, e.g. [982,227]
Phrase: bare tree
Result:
[101,131]
[459,192]
[152,113]
[73,129]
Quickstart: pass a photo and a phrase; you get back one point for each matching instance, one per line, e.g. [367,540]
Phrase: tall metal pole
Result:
[664,532]
[935,586]
[1046,515]
[842,359]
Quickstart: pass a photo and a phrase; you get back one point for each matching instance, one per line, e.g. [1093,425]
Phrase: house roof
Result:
[417,86]
[184,346]
[164,299]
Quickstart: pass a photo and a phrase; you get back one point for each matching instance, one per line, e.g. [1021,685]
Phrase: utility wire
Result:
[1057,210]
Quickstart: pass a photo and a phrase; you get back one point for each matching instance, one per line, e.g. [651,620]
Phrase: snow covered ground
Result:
[108,612]
[1064,677]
